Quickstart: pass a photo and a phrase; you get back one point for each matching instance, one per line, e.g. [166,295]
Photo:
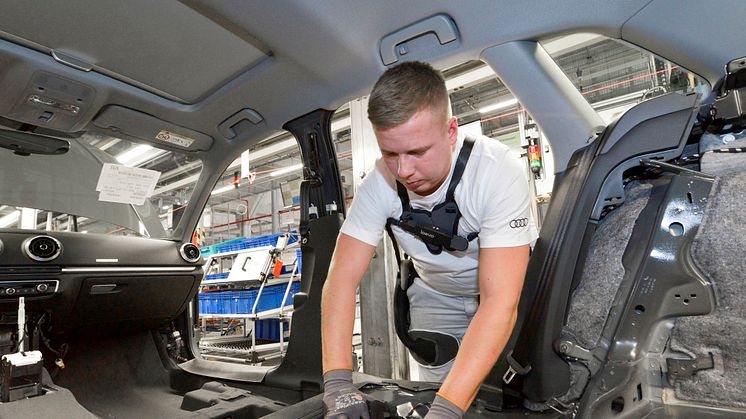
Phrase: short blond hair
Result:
[404,90]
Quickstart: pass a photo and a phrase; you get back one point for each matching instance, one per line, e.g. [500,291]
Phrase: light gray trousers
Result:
[432,311]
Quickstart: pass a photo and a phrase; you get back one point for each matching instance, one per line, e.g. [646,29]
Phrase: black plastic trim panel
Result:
[559,253]
[130,282]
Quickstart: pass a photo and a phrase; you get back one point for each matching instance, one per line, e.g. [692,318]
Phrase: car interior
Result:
[634,301]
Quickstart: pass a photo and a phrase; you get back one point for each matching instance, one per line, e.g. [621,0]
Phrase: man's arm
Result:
[349,263]
[501,273]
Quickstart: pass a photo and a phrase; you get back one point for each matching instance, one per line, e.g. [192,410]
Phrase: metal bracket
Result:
[565,409]
[571,349]
[684,368]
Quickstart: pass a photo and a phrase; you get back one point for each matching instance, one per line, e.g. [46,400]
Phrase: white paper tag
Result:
[173,138]
[127,185]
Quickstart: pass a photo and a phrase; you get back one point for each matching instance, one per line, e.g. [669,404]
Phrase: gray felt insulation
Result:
[603,270]
[718,251]
[721,164]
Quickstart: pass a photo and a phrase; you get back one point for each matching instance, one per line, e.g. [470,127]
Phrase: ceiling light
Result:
[9,219]
[139,154]
[498,105]
[286,170]
[222,190]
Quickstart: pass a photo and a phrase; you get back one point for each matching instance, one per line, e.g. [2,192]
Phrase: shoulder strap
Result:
[389,222]
[401,190]
[404,198]
[458,171]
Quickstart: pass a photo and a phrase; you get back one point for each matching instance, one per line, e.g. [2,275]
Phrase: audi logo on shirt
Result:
[518,223]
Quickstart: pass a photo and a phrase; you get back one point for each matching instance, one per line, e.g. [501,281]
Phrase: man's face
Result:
[418,152]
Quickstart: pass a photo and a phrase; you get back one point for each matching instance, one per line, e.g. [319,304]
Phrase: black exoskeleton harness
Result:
[438,230]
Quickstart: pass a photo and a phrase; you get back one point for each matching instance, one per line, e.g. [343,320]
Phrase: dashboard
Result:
[91,279]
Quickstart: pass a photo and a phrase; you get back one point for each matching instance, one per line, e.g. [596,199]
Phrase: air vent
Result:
[42,248]
[190,253]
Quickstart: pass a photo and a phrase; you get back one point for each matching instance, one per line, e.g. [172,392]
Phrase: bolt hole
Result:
[639,309]
[639,391]
[678,296]
[41,89]
[693,295]
[676,229]
[617,405]
[686,301]
[689,197]
[78,100]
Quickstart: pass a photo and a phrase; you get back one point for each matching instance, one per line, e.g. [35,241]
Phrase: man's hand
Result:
[342,399]
[443,409]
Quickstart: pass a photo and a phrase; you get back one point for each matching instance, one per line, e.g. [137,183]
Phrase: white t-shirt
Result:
[494,200]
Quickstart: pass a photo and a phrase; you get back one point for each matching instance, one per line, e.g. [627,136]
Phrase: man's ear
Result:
[452,130]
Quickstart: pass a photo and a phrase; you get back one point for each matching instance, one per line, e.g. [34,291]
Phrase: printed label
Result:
[176,139]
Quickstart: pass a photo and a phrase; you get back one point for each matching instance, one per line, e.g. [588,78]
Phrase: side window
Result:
[485,106]
[614,76]
[248,233]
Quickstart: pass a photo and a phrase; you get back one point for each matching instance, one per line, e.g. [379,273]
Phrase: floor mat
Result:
[718,250]
[120,377]
[603,270]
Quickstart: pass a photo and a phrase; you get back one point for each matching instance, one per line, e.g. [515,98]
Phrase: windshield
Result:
[100,185]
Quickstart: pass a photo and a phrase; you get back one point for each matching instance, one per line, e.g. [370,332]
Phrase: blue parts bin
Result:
[213,277]
[248,243]
[241,302]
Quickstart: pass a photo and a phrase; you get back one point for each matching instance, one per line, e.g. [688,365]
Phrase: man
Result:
[468,295]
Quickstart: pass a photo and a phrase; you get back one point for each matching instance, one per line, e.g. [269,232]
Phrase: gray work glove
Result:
[342,399]
[443,409]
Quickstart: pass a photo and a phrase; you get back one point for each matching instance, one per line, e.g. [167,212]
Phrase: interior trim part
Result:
[441,25]
[185,256]
[27,249]
[133,269]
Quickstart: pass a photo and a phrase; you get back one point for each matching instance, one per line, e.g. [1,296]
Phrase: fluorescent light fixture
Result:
[9,219]
[139,154]
[222,190]
[286,170]
[498,105]
[133,153]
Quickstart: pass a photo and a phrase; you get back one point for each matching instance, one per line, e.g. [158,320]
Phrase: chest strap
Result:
[438,228]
